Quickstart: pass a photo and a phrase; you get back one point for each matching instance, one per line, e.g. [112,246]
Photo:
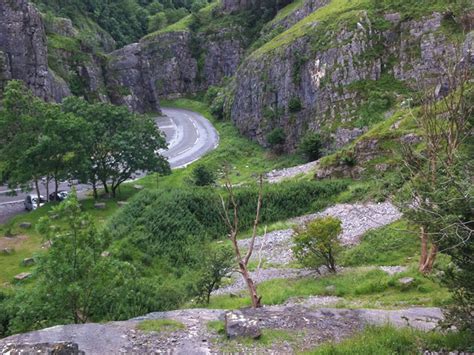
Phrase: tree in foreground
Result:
[438,195]
[77,283]
[317,243]
[230,216]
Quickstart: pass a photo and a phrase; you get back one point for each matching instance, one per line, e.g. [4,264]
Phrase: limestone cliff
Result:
[313,81]
[23,50]
[169,65]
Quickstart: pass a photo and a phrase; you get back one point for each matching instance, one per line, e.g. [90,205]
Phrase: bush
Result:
[295,104]
[276,139]
[211,94]
[218,262]
[217,107]
[310,146]
[156,22]
[318,243]
[203,176]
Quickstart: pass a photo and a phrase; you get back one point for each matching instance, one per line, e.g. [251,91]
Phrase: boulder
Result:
[28,262]
[7,251]
[105,254]
[122,203]
[238,325]
[138,187]
[25,225]
[23,276]
[47,244]
[100,206]
[406,281]
[331,289]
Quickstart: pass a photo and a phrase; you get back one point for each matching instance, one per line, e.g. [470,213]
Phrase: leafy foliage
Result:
[317,244]
[295,104]
[120,143]
[89,142]
[217,263]
[310,146]
[203,176]
[76,284]
[125,20]
[276,139]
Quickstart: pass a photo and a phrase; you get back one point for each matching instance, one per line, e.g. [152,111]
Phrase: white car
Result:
[31,202]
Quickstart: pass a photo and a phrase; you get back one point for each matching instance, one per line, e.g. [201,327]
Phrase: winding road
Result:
[189,136]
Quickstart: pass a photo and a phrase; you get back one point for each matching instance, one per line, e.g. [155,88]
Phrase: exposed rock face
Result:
[237,325]
[168,66]
[319,75]
[43,348]
[129,81]
[266,83]
[312,324]
[23,50]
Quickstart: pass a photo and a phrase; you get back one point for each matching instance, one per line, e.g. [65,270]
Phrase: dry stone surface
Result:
[357,219]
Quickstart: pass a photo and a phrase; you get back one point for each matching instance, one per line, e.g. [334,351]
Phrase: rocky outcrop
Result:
[306,324]
[310,83]
[23,50]
[43,348]
[169,65]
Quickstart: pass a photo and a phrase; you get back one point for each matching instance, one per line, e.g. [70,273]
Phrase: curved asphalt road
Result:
[189,136]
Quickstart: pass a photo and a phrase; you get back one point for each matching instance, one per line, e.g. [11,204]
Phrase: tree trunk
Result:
[427,267]
[38,193]
[424,248]
[106,188]
[94,189]
[427,259]
[56,186]
[256,300]
[48,179]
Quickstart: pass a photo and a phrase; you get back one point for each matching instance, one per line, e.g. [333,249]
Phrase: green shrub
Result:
[217,107]
[310,146]
[211,94]
[295,104]
[203,176]
[317,244]
[276,139]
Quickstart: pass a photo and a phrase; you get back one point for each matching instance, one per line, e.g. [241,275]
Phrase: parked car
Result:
[60,196]
[31,202]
